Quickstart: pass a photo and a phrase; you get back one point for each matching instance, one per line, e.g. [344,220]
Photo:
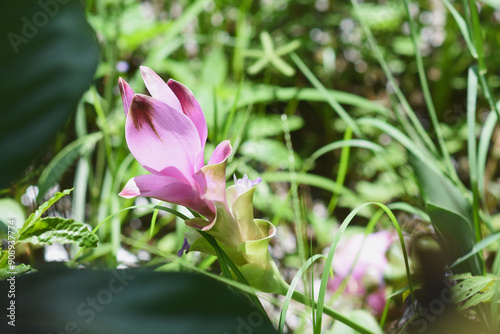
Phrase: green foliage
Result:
[7,272]
[63,160]
[36,216]
[473,290]
[46,231]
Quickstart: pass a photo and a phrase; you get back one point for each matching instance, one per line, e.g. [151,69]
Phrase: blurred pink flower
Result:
[166,133]
[368,271]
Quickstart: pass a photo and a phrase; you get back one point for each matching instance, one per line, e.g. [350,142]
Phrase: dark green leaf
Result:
[48,56]
[129,301]
[450,213]
[458,236]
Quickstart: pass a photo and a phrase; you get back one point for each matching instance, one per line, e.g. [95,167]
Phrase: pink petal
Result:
[377,300]
[127,94]
[221,153]
[163,140]
[212,178]
[190,108]
[212,182]
[168,189]
[158,88]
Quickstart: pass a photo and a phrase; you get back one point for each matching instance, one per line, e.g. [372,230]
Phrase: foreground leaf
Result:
[48,56]
[130,301]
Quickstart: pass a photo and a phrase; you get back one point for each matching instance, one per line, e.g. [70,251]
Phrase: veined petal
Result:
[158,88]
[221,153]
[167,189]
[190,108]
[127,94]
[161,139]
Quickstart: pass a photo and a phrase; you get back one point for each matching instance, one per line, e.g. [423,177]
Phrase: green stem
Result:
[390,77]
[298,297]
[427,95]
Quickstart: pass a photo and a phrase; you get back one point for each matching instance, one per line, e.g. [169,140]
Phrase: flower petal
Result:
[221,153]
[190,108]
[168,189]
[127,94]
[212,182]
[242,211]
[144,184]
[158,88]
[162,140]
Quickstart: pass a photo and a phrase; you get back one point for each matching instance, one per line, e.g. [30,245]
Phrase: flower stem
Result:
[299,297]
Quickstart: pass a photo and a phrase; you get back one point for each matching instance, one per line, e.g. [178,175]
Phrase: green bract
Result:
[244,239]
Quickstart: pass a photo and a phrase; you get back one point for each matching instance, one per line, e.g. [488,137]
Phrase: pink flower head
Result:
[368,270]
[166,133]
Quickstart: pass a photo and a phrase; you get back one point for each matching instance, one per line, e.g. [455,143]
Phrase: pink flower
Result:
[368,271]
[166,133]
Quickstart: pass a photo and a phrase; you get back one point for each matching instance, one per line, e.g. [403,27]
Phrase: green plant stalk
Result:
[299,297]
[342,172]
[232,112]
[428,97]
[105,129]
[397,91]
[471,148]
[477,35]
[478,42]
[294,190]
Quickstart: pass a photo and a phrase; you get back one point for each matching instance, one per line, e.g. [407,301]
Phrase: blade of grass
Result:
[342,172]
[462,25]
[402,139]
[153,223]
[268,93]
[294,190]
[471,147]
[360,143]
[328,264]
[477,36]
[291,289]
[103,124]
[232,112]
[427,95]
[397,91]
[477,248]
[483,148]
